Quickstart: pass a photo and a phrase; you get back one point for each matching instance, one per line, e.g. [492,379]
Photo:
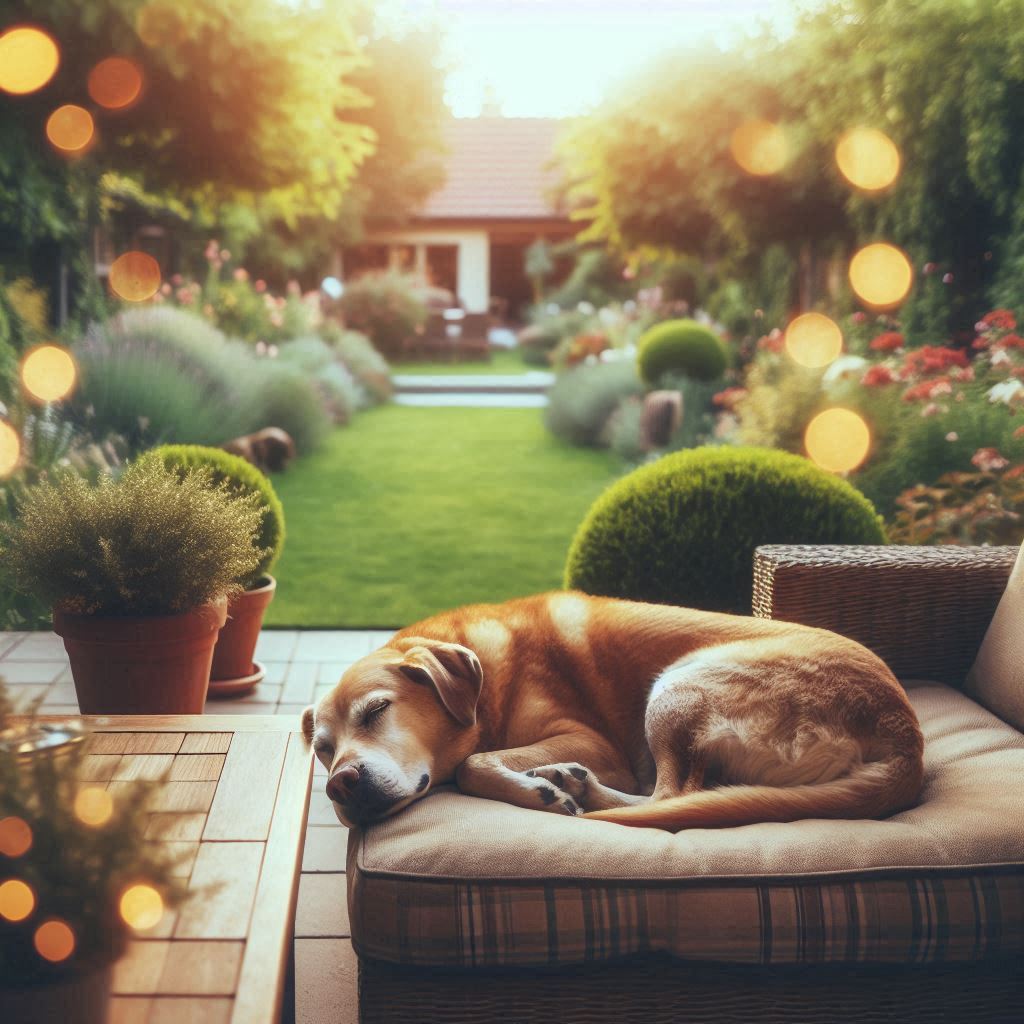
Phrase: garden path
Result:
[508,391]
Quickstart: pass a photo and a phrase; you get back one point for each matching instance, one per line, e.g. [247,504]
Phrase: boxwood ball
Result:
[681,346]
[683,530]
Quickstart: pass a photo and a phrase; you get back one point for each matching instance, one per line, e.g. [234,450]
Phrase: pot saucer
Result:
[239,687]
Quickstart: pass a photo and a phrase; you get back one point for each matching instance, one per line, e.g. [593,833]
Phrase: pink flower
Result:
[988,460]
[260,285]
[165,288]
[177,280]
[859,317]
[930,268]
[211,250]
[877,376]
[225,255]
[241,274]
[947,278]
[276,319]
[184,296]
[294,288]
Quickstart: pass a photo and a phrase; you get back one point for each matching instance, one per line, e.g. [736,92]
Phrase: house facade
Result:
[471,236]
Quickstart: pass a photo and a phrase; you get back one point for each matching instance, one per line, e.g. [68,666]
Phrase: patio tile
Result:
[265,693]
[31,671]
[234,707]
[322,908]
[379,637]
[299,684]
[22,696]
[321,810]
[39,647]
[326,973]
[332,645]
[277,671]
[291,711]
[276,644]
[326,848]
[63,692]
[332,671]
[8,641]
[59,709]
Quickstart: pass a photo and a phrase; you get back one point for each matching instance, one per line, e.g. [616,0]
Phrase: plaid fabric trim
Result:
[890,919]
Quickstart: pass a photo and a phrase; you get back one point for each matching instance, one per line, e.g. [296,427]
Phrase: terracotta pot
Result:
[147,665]
[236,645]
[81,997]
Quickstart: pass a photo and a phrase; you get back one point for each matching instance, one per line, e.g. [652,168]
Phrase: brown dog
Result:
[269,450]
[634,713]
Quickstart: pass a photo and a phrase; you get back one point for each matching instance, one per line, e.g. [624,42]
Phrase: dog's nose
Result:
[342,782]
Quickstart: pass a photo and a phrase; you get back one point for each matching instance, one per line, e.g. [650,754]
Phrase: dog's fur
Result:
[270,450]
[633,713]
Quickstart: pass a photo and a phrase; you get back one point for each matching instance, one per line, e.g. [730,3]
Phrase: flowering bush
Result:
[386,307]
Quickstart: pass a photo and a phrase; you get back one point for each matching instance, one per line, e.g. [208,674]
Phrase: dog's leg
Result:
[523,775]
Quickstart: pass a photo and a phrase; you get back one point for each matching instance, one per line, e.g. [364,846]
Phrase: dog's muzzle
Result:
[361,800]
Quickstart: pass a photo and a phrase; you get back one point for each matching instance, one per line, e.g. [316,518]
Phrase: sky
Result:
[557,58]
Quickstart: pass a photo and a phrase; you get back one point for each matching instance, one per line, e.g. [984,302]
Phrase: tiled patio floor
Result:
[301,666]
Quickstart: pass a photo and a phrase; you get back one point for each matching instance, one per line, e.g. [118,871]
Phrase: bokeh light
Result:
[881,275]
[838,440]
[160,24]
[17,900]
[54,940]
[141,907]
[760,147]
[10,448]
[28,59]
[115,83]
[135,276]
[813,340]
[48,373]
[868,159]
[70,128]
[15,837]
[93,806]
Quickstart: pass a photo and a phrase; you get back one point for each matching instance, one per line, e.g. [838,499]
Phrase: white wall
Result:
[474,258]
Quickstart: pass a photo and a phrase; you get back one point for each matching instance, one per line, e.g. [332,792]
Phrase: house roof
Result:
[498,168]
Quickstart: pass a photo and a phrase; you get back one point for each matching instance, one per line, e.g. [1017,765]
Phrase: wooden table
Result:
[235,805]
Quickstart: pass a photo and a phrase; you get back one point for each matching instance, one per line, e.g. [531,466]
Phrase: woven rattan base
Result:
[657,990]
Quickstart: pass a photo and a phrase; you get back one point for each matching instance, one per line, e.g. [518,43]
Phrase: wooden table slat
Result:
[174,796]
[230,872]
[201,968]
[99,767]
[197,767]
[206,743]
[176,827]
[142,766]
[244,804]
[154,743]
[138,971]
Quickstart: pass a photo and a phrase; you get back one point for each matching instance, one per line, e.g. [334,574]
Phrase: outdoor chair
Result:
[470,910]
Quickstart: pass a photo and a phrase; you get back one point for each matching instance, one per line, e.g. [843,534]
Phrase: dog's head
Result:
[399,721]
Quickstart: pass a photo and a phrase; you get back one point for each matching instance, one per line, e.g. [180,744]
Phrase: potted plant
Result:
[234,671]
[77,877]
[137,571]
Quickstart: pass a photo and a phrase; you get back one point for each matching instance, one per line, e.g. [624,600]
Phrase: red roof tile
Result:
[497,168]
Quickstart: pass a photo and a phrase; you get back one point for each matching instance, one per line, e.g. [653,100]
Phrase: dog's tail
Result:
[871,790]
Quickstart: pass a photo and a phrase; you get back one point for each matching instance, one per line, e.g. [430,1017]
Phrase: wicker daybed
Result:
[468,911]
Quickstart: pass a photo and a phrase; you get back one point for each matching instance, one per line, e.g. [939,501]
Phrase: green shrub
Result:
[625,435]
[313,356]
[384,306]
[537,343]
[363,361]
[240,477]
[698,423]
[782,398]
[582,400]
[681,346]
[149,543]
[683,530]
[153,375]
[279,395]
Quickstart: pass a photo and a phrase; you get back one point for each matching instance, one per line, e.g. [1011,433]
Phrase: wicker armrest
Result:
[923,610]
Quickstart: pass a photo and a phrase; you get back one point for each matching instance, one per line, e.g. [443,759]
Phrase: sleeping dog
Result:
[641,714]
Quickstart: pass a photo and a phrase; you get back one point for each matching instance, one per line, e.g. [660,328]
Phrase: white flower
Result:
[1000,356]
[586,308]
[952,436]
[1005,391]
[842,366]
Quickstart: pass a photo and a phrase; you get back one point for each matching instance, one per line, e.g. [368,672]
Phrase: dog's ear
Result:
[307,724]
[453,670]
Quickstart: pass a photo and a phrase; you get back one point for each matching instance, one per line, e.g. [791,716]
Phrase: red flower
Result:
[926,390]
[877,376]
[772,342]
[1019,433]
[888,341]
[729,398]
[932,359]
[988,460]
[1000,320]
[1010,341]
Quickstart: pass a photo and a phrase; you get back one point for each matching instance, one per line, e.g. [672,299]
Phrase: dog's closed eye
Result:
[374,710]
[324,750]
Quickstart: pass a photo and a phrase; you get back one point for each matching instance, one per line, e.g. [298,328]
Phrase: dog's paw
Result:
[571,778]
[553,798]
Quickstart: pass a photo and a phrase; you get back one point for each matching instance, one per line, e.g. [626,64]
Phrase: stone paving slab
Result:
[452,400]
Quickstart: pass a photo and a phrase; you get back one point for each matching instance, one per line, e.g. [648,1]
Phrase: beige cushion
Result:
[997,677]
[462,881]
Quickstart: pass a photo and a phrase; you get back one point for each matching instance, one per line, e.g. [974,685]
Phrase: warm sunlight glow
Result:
[93,806]
[48,373]
[70,128]
[15,837]
[838,440]
[868,159]
[141,907]
[135,276]
[159,24]
[115,83]
[881,275]
[28,60]
[17,900]
[10,448]
[760,147]
[54,941]
[813,340]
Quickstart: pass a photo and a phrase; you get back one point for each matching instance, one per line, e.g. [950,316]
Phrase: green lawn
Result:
[502,362]
[412,510]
